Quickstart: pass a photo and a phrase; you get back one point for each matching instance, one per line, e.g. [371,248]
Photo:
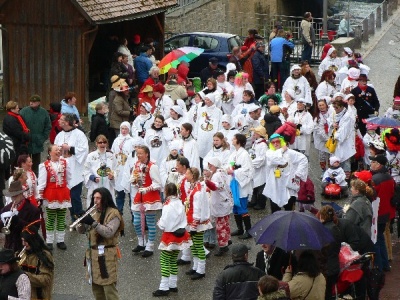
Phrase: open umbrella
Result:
[383,122]
[291,230]
[176,56]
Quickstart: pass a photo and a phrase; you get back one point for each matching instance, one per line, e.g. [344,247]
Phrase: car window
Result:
[205,42]
[180,41]
[234,41]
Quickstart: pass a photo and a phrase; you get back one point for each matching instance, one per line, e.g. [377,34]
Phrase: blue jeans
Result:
[76,201]
[381,255]
[307,52]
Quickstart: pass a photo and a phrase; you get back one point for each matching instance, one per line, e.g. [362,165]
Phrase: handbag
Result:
[180,232]
[331,143]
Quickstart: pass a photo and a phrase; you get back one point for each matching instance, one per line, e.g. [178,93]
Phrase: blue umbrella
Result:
[291,230]
[383,122]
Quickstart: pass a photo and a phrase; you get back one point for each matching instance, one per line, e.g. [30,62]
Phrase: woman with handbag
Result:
[173,239]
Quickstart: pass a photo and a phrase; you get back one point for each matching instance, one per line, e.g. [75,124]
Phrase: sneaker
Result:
[181,262]
[138,249]
[197,276]
[160,293]
[147,253]
[190,272]
[62,246]
[50,246]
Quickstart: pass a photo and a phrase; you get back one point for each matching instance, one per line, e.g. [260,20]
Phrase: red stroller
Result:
[351,266]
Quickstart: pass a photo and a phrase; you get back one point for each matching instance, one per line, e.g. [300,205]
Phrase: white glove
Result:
[5,215]
[15,212]
[143,190]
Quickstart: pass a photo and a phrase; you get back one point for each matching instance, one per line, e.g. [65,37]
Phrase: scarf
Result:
[363,87]
[20,120]
[339,116]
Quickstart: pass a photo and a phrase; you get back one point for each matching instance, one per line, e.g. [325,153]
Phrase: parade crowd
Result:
[186,157]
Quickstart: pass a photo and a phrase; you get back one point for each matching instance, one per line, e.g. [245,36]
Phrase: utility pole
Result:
[325,22]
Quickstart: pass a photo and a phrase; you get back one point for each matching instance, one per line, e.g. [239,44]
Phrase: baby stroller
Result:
[352,268]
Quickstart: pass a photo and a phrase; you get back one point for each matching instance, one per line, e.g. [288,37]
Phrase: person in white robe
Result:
[351,81]
[193,112]
[74,148]
[121,148]
[305,125]
[240,167]
[188,146]
[369,137]
[228,129]
[298,84]
[285,168]
[98,169]
[157,139]
[288,105]
[168,172]
[327,86]
[220,149]
[226,91]
[208,123]
[330,62]
[163,102]
[250,120]
[241,84]
[175,120]
[143,121]
[212,88]
[258,158]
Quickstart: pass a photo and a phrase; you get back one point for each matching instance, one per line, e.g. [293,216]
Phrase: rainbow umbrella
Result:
[175,57]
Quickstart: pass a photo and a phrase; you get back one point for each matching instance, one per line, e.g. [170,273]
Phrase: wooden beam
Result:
[159,25]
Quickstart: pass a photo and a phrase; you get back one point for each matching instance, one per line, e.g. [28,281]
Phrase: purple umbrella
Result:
[291,230]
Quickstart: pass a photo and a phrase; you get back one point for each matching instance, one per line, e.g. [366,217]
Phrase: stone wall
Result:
[233,16]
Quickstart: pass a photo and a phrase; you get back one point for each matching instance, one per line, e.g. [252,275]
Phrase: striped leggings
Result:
[151,224]
[197,247]
[52,215]
[168,262]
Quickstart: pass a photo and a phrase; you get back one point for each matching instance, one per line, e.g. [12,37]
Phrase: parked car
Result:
[217,45]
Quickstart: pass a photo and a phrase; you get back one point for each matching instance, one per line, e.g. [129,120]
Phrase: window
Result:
[234,42]
[178,42]
[205,42]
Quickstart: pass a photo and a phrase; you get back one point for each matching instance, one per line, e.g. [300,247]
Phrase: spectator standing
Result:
[235,58]
[143,65]
[68,105]
[260,70]
[121,111]
[277,56]
[129,68]
[38,121]
[99,123]
[307,36]
[123,49]
[238,280]
[210,71]
[345,28]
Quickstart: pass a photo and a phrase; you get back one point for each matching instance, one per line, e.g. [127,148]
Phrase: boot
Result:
[140,247]
[163,290]
[60,240]
[195,266]
[239,224]
[173,283]
[221,251]
[201,270]
[50,239]
[247,226]
[149,250]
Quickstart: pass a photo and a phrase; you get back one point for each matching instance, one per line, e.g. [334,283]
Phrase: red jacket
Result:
[384,186]
[306,193]
[288,131]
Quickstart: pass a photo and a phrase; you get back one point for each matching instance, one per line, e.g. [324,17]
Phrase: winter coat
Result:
[355,236]
[307,192]
[384,186]
[99,126]
[272,123]
[260,68]
[142,65]
[288,131]
[175,91]
[69,109]
[301,284]
[367,102]
[120,112]
[13,129]
[119,69]
[277,295]
[360,213]
[237,281]
[330,254]
[276,48]
[38,122]
[278,262]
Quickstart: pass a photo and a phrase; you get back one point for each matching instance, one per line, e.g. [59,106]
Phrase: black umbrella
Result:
[7,153]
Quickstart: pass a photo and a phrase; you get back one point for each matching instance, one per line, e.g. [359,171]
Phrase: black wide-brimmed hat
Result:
[7,256]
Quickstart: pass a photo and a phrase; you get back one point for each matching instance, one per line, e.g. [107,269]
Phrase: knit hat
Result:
[330,51]
[126,124]
[210,97]
[177,109]
[215,161]
[295,67]
[226,118]
[147,106]
[364,175]
[274,136]
[353,73]
[380,159]
[174,145]
[274,109]
[333,159]
[261,131]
